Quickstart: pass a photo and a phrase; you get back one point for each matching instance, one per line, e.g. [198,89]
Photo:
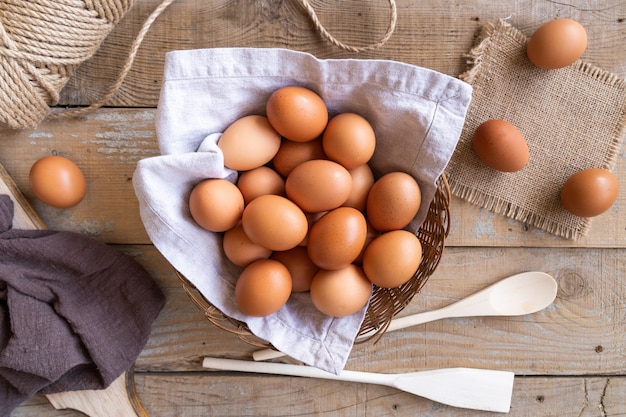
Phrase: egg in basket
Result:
[355,212]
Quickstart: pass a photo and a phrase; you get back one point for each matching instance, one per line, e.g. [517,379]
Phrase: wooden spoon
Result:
[120,398]
[476,389]
[516,295]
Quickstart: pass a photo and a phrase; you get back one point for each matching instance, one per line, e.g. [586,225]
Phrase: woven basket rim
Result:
[385,303]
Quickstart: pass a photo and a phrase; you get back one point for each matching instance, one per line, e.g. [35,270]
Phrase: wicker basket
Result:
[385,303]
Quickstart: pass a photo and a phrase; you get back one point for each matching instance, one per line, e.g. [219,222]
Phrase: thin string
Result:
[38,52]
[125,69]
[157,12]
[393,18]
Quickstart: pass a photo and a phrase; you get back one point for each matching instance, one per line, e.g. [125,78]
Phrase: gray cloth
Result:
[74,312]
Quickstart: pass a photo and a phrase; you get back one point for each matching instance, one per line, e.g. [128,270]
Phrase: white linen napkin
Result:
[417,115]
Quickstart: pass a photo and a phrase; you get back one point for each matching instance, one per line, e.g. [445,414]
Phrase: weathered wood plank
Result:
[108,143]
[221,394]
[577,342]
[433,34]
[581,333]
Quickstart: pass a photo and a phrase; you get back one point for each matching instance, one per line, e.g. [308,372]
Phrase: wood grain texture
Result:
[232,395]
[581,333]
[433,34]
[108,143]
[569,358]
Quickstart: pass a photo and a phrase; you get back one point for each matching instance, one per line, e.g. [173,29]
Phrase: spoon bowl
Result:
[521,294]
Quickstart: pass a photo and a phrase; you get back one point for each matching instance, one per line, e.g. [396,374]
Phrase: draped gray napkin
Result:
[74,312]
[417,115]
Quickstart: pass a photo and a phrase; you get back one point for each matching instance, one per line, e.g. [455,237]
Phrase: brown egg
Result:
[57,181]
[393,201]
[500,146]
[341,292]
[369,238]
[557,44]
[392,258]
[337,238]
[349,139]
[274,222]
[291,154]
[300,266]
[263,288]
[240,250]
[249,143]
[590,192]
[260,181]
[297,113]
[216,204]
[318,185]
[362,181]
[311,219]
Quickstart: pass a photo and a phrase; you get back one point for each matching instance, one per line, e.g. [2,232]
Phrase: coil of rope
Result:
[42,42]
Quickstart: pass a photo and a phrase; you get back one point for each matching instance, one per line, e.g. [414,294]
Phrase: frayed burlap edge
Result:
[500,206]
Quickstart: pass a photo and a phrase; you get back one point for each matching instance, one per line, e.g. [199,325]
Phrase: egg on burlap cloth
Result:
[572,118]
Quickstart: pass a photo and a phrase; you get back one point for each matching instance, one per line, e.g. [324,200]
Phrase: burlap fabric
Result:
[572,118]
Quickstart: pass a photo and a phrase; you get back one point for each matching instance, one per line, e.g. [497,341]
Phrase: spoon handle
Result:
[412,320]
[395,324]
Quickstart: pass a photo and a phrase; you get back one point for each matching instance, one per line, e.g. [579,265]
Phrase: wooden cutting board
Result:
[24,216]
[120,398]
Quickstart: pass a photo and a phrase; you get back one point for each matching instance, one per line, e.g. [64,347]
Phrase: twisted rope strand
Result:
[393,18]
[125,69]
[42,42]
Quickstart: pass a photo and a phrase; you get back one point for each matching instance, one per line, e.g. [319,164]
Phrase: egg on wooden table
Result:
[57,181]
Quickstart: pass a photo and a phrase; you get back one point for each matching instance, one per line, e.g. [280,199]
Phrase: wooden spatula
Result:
[120,398]
[477,389]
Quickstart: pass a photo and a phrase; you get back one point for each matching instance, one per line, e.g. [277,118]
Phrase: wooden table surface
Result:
[569,359]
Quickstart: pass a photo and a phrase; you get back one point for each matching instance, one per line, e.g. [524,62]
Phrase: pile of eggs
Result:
[306,213]
[501,146]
